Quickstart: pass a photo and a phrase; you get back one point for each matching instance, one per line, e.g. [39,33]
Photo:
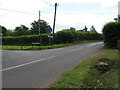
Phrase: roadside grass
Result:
[85,75]
[11,47]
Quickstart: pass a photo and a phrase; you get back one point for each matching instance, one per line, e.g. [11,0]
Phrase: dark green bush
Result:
[111,33]
[65,36]
[72,35]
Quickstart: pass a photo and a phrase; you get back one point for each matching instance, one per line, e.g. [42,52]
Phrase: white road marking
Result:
[75,49]
[94,44]
[21,51]
[27,63]
[84,47]
[55,49]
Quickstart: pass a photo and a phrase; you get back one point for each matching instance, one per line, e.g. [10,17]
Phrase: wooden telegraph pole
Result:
[54,17]
[39,23]
[40,30]
[54,21]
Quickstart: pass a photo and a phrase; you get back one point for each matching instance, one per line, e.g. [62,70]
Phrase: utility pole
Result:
[54,18]
[39,23]
[54,21]
[39,30]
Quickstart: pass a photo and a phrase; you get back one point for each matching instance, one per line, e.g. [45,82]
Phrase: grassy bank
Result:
[8,47]
[89,75]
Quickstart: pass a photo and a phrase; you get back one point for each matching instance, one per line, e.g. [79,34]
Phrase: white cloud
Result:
[13,19]
[22,5]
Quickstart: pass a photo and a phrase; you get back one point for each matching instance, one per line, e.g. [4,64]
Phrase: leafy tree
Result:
[21,30]
[10,33]
[43,27]
[92,29]
[71,28]
[4,30]
[85,29]
[111,33]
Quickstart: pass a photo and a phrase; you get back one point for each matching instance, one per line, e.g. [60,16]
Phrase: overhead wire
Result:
[16,11]
[48,3]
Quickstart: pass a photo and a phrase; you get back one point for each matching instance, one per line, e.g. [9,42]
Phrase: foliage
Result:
[21,30]
[68,36]
[111,33]
[10,33]
[4,30]
[43,27]
[65,36]
[24,40]
[92,29]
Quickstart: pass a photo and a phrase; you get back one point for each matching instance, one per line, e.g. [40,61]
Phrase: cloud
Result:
[12,19]
[23,5]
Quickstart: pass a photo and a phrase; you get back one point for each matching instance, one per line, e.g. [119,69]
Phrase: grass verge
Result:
[85,75]
[10,47]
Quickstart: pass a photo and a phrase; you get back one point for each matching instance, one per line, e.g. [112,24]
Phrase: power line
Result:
[48,12]
[16,11]
[48,3]
[20,11]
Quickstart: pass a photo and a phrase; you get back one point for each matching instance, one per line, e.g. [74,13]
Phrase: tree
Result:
[92,29]
[85,29]
[21,30]
[10,33]
[43,27]
[72,28]
[111,33]
[4,30]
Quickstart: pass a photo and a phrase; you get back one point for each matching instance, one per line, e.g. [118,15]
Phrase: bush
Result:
[72,35]
[65,36]
[111,33]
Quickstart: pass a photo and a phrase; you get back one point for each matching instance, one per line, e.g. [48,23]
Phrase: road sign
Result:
[49,29]
[50,36]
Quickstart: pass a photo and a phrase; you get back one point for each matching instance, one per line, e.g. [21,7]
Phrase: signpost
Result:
[50,37]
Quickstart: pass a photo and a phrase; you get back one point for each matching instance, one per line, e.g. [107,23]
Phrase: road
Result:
[38,69]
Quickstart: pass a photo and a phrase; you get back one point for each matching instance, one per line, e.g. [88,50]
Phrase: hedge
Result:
[68,36]
[65,36]
[24,40]
[111,33]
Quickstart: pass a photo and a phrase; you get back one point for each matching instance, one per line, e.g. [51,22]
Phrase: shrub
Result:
[111,33]
[65,36]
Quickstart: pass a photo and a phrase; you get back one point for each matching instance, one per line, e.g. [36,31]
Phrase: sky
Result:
[70,13]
